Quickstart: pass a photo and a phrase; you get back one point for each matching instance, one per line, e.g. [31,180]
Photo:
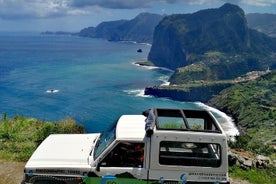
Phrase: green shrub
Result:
[253,145]
[241,141]
[20,136]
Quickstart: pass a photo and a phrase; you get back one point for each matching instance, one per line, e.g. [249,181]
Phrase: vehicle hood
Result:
[64,149]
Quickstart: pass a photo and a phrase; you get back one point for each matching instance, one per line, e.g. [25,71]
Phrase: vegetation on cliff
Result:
[253,105]
[214,66]
[20,136]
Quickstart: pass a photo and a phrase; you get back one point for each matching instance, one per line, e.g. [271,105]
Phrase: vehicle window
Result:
[125,154]
[104,141]
[177,119]
[196,123]
[171,123]
[190,154]
[201,121]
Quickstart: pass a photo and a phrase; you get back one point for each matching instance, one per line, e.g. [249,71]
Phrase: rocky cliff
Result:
[201,93]
[178,39]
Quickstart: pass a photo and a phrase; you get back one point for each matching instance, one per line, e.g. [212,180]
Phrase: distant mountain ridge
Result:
[265,23]
[179,39]
[139,29]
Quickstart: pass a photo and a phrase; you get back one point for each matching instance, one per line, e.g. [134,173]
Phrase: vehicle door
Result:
[125,160]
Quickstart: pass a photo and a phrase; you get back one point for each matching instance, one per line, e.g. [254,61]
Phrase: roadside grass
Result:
[20,136]
[254,176]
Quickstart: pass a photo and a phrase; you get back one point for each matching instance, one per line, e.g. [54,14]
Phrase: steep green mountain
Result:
[265,23]
[184,39]
[139,29]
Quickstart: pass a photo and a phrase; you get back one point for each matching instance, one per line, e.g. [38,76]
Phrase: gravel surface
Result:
[238,181]
[11,172]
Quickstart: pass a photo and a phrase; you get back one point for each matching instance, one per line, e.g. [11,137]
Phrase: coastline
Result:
[231,128]
[187,92]
[151,66]
[233,116]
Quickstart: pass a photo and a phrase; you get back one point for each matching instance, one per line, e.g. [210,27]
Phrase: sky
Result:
[74,15]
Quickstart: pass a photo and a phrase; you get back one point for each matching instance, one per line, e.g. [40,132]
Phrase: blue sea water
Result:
[95,81]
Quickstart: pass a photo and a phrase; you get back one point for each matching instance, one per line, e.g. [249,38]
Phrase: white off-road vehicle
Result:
[160,146]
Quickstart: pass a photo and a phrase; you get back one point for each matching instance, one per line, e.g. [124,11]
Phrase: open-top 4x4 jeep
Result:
[160,146]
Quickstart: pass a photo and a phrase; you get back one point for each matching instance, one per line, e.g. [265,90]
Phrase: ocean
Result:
[93,81]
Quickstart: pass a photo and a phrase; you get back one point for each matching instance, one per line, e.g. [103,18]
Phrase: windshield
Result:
[104,141]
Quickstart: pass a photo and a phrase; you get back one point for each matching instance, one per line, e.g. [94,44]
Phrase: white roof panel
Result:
[131,127]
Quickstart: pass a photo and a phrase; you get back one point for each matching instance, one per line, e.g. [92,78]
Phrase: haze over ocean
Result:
[95,81]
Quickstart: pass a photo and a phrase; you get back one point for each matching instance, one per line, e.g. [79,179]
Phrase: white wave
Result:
[142,43]
[226,122]
[136,92]
[134,42]
[148,44]
[165,80]
[144,66]
[166,83]
[52,91]
[152,67]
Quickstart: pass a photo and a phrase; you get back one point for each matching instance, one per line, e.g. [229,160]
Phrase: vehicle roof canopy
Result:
[135,127]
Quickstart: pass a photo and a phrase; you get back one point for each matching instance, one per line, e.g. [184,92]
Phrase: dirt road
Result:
[11,172]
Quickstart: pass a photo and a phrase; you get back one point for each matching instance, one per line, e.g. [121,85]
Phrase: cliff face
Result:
[178,37]
[200,93]
[139,29]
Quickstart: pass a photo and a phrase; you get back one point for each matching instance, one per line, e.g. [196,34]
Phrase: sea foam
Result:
[226,122]
[137,92]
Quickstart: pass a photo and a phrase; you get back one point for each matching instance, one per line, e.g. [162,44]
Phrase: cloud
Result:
[134,4]
[130,4]
[112,4]
[22,9]
[259,3]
